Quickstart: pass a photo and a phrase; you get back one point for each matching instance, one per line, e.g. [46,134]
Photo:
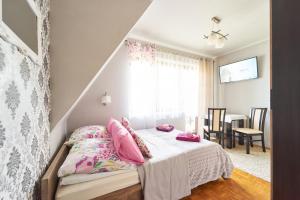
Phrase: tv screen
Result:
[242,70]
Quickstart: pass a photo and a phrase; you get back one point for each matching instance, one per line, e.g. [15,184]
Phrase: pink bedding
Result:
[92,156]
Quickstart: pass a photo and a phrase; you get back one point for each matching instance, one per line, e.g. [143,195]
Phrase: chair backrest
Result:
[257,118]
[216,119]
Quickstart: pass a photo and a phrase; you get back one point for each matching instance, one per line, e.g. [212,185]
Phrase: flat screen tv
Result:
[238,71]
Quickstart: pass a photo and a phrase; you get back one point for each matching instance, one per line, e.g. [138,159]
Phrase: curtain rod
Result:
[171,50]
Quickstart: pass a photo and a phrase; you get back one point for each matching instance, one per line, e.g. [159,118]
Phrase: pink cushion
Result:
[140,143]
[124,144]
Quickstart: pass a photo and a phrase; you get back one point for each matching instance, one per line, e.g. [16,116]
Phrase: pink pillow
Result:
[140,143]
[125,145]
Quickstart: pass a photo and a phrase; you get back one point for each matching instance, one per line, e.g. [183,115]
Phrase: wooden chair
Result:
[256,128]
[216,124]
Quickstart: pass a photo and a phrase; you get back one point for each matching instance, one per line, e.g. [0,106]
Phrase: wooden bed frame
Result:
[50,180]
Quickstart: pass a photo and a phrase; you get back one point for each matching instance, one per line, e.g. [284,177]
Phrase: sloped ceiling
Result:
[183,23]
[84,35]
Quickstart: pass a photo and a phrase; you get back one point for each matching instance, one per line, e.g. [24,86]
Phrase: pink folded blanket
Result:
[165,127]
[189,137]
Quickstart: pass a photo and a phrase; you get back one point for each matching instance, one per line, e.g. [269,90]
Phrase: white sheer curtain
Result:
[163,86]
[177,89]
[142,84]
[206,84]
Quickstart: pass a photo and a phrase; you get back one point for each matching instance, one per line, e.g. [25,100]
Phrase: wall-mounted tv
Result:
[241,70]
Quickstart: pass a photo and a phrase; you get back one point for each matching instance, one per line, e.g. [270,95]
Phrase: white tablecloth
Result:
[231,117]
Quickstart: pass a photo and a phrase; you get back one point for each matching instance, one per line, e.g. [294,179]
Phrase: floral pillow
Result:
[88,132]
[125,122]
[140,143]
[92,156]
[142,146]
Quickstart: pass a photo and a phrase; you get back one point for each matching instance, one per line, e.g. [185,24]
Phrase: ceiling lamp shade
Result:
[212,38]
[220,43]
[216,38]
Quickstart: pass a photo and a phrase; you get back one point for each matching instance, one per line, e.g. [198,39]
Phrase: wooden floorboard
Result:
[241,186]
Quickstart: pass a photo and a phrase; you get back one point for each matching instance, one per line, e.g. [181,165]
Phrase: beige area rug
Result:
[256,163]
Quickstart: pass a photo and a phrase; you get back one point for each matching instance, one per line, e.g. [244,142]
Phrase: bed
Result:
[185,164]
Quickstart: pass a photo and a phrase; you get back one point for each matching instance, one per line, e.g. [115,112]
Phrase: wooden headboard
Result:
[49,181]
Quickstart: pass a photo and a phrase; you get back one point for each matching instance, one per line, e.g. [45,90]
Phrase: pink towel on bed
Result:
[189,137]
[165,128]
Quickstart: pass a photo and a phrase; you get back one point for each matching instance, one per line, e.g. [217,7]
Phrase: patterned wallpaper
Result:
[24,117]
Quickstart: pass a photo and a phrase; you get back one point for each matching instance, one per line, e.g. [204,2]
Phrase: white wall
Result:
[114,80]
[239,97]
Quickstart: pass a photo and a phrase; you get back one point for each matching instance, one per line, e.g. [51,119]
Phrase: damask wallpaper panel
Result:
[24,116]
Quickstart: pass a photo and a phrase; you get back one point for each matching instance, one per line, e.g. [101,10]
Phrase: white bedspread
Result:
[178,166]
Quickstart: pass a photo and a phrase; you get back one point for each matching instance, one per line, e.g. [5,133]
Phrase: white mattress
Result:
[80,178]
[98,187]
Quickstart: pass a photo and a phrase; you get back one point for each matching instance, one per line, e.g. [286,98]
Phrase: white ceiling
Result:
[182,24]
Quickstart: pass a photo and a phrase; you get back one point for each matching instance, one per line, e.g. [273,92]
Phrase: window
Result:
[163,86]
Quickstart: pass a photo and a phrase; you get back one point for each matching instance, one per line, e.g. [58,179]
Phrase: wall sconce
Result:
[105,99]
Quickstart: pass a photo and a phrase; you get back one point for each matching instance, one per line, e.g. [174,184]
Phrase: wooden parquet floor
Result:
[241,186]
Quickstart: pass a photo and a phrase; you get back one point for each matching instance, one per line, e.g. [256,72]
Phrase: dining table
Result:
[231,120]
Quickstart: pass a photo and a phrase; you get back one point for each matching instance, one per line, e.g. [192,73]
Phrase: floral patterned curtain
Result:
[143,52]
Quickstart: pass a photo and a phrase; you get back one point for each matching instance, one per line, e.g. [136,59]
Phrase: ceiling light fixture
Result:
[215,37]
